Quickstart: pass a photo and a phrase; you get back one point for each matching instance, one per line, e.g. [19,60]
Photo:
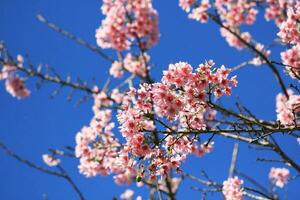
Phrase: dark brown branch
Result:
[53,79]
[169,188]
[283,155]
[252,47]
[61,174]
[74,38]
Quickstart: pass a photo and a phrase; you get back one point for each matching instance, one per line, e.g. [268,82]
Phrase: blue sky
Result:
[33,125]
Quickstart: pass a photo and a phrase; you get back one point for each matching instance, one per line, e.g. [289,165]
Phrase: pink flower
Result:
[16,87]
[233,41]
[186,4]
[125,20]
[116,70]
[203,149]
[235,13]
[232,189]
[127,195]
[279,176]
[291,58]
[50,160]
[200,13]
[136,65]
[287,109]
[276,10]
[7,71]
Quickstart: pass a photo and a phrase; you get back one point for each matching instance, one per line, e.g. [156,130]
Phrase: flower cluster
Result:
[186,4]
[258,60]
[279,176]
[236,12]
[50,160]
[125,21]
[276,10]
[147,152]
[289,29]
[233,41]
[291,58]
[232,189]
[287,109]
[180,97]
[200,13]
[13,83]
[134,64]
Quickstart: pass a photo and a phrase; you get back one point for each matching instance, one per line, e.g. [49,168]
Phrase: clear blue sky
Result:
[33,125]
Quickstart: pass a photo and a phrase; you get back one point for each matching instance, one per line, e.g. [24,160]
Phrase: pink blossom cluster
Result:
[236,12]
[287,109]
[232,189]
[198,11]
[289,29]
[233,41]
[291,58]
[50,160]
[99,151]
[13,83]
[180,97]
[290,33]
[126,20]
[276,10]
[258,60]
[279,176]
[186,4]
[131,63]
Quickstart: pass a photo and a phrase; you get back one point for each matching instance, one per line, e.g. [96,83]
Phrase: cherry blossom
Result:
[126,20]
[289,29]
[233,41]
[287,109]
[232,189]
[276,10]
[200,13]
[50,160]
[279,176]
[127,195]
[291,58]
[14,85]
[186,4]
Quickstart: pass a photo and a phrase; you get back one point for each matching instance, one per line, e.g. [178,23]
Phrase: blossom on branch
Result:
[125,21]
[232,189]
[279,176]
[50,160]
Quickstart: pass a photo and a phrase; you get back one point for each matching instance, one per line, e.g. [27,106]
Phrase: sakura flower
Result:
[116,70]
[232,189]
[291,58]
[16,87]
[125,21]
[50,160]
[127,195]
[287,109]
[186,4]
[279,176]
[233,41]
[200,13]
